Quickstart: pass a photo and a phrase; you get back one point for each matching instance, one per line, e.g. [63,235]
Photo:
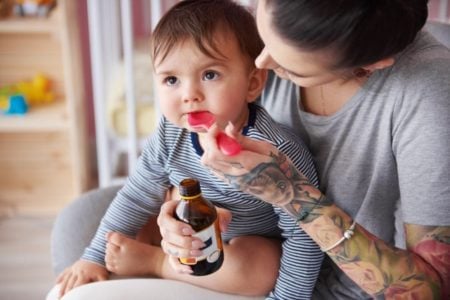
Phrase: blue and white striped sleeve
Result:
[141,197]
[300,262]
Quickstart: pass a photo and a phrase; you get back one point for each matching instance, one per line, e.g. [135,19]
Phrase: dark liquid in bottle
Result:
[201,215]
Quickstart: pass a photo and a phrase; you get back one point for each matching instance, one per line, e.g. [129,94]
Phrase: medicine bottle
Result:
[201,214]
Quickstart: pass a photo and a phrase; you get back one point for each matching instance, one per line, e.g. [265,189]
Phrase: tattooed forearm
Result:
[383,270]
[432,244]
[280,183]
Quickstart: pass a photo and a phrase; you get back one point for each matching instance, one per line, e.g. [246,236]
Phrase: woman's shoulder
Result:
[424,61]
[271,130]
[420,74]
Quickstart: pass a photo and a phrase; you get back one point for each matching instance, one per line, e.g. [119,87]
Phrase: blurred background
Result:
[76,104]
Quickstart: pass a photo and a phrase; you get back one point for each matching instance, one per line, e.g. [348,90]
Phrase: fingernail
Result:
[198,244]
[187,231]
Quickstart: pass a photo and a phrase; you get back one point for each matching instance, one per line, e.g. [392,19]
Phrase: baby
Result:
[203,54]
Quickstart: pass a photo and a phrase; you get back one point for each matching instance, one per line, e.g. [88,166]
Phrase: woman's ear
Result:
[256,84]
[381,64]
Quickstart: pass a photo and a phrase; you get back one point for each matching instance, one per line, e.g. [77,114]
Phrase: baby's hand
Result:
[81,272]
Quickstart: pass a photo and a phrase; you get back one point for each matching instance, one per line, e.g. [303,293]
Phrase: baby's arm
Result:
[81,272]
[140,198]
[300,263]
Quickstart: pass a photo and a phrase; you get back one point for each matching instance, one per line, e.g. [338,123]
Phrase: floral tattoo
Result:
[280,183]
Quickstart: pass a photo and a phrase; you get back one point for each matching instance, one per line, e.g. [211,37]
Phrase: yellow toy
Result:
[36,91]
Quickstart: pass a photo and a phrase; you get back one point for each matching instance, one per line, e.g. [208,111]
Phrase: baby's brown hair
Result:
[199,20]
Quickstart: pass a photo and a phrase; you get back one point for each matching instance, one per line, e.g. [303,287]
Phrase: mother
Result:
[370,94]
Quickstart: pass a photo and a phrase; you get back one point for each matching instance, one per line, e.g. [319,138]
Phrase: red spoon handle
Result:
[228,145]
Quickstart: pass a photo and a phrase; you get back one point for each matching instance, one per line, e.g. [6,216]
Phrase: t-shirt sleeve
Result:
[421,143]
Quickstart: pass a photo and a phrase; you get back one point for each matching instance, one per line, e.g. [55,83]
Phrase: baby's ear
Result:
[256,83]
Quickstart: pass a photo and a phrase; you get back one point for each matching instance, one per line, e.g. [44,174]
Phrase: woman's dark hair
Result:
[359,32]
[199,20]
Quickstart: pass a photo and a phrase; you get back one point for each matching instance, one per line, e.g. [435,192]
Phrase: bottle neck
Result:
[190,197]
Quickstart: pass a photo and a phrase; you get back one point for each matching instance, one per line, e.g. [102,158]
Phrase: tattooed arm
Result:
[420,272]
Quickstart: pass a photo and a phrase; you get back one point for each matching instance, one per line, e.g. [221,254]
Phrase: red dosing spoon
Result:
[203,119]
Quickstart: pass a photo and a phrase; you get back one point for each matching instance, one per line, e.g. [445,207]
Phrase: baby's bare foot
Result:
[128,257]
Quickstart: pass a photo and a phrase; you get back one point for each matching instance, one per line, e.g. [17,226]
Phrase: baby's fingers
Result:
[80,280]
[67,283]
[62,275]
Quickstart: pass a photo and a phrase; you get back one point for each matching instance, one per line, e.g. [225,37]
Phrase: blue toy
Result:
[17,105]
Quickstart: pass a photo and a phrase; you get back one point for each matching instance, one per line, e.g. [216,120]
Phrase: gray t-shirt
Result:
[383,157]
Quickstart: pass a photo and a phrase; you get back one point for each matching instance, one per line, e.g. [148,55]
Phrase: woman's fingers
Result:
[182,251]
[262,148]
[171,229]
[179,267]
[177,240]
[253,153]
[177,237]
[167,221]
[210,142]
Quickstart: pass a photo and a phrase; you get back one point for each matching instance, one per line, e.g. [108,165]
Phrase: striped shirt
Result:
[173,154]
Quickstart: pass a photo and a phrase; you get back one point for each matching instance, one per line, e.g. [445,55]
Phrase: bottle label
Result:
[210,236]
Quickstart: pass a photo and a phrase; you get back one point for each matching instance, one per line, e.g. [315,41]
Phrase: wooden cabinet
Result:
[44,153]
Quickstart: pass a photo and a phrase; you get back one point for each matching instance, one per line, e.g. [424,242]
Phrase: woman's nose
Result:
[265,61]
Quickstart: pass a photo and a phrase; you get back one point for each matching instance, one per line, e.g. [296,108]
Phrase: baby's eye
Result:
[210,75]
[170,80]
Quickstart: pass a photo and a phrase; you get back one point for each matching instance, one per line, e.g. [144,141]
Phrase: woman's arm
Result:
[420,272]
[378,268]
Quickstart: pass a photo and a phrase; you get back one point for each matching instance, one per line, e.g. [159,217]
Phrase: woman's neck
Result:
[329,98]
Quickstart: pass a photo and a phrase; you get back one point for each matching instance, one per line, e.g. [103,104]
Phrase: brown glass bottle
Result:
[202,216]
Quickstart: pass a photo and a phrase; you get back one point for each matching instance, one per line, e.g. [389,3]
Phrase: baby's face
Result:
[188,80]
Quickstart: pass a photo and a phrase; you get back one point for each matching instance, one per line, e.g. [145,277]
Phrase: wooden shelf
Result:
[44,158]
[47,118]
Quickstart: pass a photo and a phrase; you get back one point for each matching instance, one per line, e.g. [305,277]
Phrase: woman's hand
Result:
[259,169]
[177,240]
